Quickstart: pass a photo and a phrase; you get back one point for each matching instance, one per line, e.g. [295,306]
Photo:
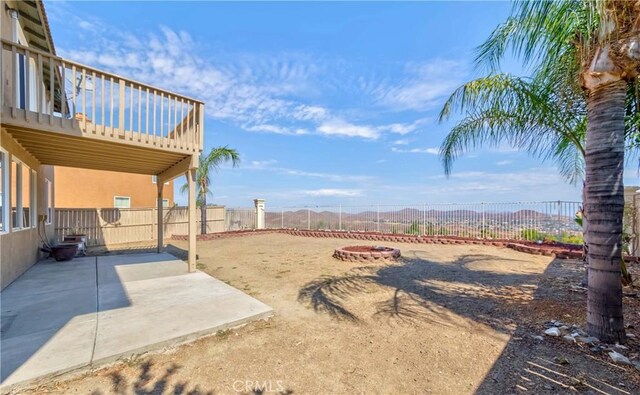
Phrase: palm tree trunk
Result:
[203,214]
[604,207]
[585,243]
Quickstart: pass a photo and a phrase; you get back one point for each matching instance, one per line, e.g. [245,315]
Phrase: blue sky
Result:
[327,102]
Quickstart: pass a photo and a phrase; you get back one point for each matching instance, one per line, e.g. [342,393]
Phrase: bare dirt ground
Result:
[446,319]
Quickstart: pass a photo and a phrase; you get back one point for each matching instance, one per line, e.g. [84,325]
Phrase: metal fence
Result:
[515,220]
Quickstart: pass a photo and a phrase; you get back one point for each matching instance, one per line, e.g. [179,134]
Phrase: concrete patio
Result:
[58,317]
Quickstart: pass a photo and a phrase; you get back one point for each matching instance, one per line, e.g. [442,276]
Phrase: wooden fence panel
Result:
[106,226]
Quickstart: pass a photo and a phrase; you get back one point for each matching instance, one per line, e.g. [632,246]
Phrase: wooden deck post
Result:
[160,186]
[191,181]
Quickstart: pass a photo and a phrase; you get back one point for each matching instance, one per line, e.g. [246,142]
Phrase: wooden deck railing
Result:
[46,90]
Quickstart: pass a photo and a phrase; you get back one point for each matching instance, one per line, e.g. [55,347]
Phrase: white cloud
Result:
[430,151]
[269,165]
[334,192]
[265,93]
[404,128]
[503,162]
[262,164]
[327,176]
[401,142]
[340,127]
[266,128]
[424,87]
[533,179]
[249,91]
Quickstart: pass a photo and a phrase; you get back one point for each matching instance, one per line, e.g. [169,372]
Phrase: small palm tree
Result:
[212,161]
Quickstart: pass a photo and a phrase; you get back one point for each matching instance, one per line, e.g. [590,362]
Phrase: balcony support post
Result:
[160,223]
[191,182]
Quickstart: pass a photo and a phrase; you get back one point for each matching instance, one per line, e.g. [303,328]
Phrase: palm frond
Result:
[211,161]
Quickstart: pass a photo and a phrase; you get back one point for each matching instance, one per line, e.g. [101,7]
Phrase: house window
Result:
[165,203]
[27,198]
[34,199]
[4,196]
[16,194]
[48,198]
[121,202]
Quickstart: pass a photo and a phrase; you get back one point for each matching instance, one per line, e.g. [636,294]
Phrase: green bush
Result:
[571,239]
[414,228]
[532,235]
[432,230]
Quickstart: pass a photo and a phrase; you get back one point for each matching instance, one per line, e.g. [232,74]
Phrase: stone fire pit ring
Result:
[366,253]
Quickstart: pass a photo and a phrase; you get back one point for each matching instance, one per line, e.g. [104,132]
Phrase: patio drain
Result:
[366,253]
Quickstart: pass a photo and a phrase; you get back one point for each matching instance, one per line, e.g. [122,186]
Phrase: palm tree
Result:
[212,161]
[583,93]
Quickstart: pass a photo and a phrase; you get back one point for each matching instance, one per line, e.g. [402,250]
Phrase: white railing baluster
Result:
[64,105]
[146,114]
[111,94]
[40,83]
[154,115]
[102,111]
[182,137]
[139,114]
[175,122]
[16,81]
[27,91]
[161,118]
[201,126]
[51,92]
[130,130]
[122,88]
[93,101]
[73,91]
[84,100]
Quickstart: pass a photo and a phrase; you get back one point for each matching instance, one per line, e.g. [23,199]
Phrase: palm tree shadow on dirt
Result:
[149,383]
[146,384]
[421,291]
[426,291]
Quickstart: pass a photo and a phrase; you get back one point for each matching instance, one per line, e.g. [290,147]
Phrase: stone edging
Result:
[371,256]
[559,250]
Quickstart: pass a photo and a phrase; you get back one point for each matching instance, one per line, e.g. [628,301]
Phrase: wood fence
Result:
[106,226]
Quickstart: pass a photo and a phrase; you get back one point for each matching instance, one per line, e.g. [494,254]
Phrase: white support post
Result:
[191,181]
[259,205]
[483,232]
[160,225]
[635,248]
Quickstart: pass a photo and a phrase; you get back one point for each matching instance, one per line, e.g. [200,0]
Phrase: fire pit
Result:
[366,253]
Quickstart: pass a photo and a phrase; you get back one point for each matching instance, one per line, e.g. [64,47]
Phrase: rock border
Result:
[557,250]
[390,254]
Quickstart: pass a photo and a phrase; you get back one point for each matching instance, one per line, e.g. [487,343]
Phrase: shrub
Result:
[414,228]
[532,235]
[571,239]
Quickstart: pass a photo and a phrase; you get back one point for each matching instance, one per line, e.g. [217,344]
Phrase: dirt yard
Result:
[444,320]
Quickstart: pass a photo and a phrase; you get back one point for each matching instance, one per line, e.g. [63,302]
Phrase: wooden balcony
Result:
[68,114]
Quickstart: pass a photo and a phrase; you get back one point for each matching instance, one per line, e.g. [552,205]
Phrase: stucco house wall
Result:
[85,188]
[19,249]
